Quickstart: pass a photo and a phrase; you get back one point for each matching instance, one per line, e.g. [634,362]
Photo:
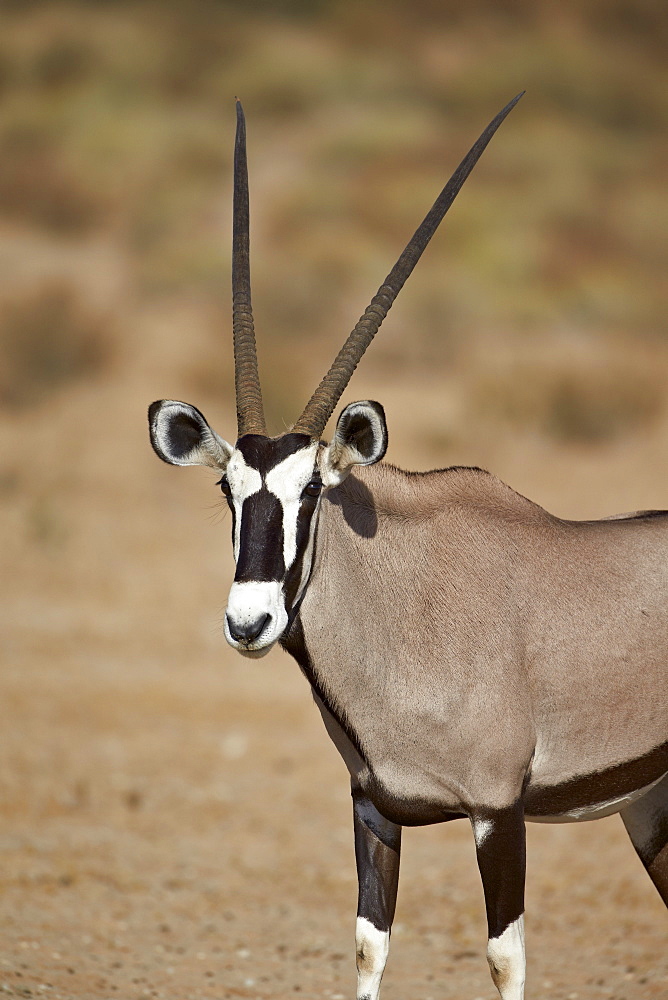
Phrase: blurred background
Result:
[173,817]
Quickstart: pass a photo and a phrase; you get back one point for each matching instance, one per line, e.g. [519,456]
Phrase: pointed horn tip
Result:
[502,115]
[308,422]
[511,104]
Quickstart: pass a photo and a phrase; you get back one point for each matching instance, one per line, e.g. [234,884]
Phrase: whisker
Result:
[217,511]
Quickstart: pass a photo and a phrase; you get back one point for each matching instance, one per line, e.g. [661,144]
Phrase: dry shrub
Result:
[38,187]
[191,54]
[63,62]
[602,407]
[589,403]
[6,72]
[48,340]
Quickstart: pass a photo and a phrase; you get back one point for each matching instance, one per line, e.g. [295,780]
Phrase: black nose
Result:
[249,631]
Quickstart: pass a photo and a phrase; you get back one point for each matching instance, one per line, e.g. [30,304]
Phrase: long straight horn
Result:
[321,404]
[250,414]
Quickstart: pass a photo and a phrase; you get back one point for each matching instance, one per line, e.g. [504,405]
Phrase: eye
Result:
[225,487]
[314,488]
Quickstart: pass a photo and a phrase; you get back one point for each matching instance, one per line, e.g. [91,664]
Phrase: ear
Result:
[360,439]
[181,436]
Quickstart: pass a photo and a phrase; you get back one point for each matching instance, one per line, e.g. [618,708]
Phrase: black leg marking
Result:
[377,851]
[646,822]
[501,852]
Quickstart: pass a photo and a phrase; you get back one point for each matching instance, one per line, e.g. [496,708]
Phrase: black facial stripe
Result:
[261,531]
[234,520]
[294,576]
[263,453]
[261,543]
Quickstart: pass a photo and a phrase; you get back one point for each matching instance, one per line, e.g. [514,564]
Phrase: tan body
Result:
[498,643]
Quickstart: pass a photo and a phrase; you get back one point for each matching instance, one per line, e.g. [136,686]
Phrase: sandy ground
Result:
[174,822]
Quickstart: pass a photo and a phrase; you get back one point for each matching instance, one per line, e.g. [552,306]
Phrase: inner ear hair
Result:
[358,433]
[185,434]
[181,435]
[361,435]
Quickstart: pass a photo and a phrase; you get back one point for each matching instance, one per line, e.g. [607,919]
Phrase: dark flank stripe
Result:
[261,542]
[407,810]
[598,787]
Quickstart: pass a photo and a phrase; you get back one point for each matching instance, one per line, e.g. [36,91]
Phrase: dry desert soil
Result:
[174,821]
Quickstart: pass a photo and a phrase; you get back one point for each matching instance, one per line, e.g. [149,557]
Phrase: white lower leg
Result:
[372,948]
[505,955]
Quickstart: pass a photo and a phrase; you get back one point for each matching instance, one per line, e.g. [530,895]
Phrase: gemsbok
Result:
[471,654]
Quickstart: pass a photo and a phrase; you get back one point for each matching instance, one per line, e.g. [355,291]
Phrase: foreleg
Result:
[646,822]
[501,851]
[377,850]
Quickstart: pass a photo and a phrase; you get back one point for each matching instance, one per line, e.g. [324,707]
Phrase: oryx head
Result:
[274,485]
